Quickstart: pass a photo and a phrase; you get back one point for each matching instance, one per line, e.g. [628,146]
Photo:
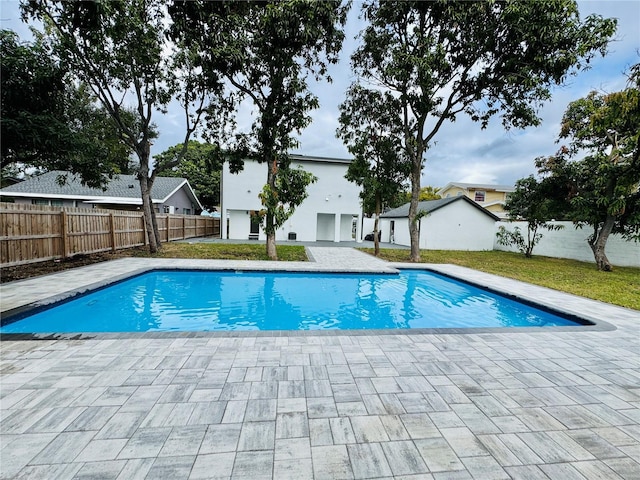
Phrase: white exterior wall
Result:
[331,195]
[457,226]
[572,243]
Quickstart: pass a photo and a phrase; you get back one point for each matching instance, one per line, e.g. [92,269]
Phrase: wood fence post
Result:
[144,230]
[184,227]
[168,228]
[65,234]
[112,227]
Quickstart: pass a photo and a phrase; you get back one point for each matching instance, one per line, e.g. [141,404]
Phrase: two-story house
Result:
[491,197]
[331,212]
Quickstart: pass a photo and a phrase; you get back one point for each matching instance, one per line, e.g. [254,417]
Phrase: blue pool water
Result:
[228,301]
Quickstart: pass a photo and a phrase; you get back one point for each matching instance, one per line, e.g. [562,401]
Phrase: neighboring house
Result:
[454,223]
[169,194]
[331,212]
[491,197]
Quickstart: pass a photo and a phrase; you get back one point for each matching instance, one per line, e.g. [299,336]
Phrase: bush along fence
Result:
[34,233]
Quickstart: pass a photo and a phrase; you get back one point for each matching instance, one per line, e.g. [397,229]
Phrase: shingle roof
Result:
[433,205]
[122,186]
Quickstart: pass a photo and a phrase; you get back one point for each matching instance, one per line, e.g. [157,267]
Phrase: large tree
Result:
[446,58]
[366,117]
[266,51]
[120,50]
[602,189]
[50,123]
[201,165]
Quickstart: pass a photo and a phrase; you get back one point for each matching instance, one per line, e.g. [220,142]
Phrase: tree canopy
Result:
[48,121]
[265,51]
[201,164]
[121,51]
[602,189]
[447,58]
[378,166]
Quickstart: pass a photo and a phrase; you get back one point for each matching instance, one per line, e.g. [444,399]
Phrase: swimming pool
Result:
[196,301]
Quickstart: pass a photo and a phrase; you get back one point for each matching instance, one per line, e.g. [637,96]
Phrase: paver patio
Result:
[490,404]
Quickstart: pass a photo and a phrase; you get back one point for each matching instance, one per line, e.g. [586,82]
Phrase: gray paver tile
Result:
[298,469]
[292,424]
[63,448]
[320,432]
[485,467]
[257,436]
[100,450]
[331,462]
[438,455]
[171,467]
[100,470]
[253,465]
[221,438]
[292,449]
[404,458]
[145,443]
[368,461]
[213,466]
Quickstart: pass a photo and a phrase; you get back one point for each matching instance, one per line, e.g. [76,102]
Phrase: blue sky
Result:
[462,151]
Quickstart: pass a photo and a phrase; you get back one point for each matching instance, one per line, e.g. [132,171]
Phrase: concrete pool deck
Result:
[541,404]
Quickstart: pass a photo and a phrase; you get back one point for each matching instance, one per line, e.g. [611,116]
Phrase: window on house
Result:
[479,197]
[39,201]
[186,211]
[56,203]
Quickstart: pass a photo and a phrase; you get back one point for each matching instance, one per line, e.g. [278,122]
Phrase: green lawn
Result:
[230,251]
[620,287]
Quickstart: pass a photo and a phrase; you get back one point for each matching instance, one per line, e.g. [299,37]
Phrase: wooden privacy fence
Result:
[35,233]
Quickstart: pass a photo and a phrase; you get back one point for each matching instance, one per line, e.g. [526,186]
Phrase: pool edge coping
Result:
[594,324]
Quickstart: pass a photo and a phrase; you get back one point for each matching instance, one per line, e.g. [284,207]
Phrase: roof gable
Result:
[430,206]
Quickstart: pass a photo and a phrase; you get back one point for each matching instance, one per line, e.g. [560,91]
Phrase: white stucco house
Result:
[331,212]
[455,223]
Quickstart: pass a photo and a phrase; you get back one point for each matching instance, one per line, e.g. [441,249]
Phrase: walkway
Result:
[529,404]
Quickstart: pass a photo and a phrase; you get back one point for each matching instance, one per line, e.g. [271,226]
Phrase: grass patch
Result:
[229,251]
[620,287]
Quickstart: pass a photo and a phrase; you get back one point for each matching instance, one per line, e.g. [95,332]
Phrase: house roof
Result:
[478,186]
[433,205]
[122,189]
[309,158]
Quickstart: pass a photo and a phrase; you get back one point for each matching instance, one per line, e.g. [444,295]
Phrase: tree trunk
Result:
[376,223]
[598,242]
[269,223]
[147,210]
[414,230]
[143,150]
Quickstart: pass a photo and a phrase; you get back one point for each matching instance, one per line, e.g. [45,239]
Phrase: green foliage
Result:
[50,124]
[602,189]
[446,58]
[533,202]
[366,117]
[201,164]
[287,193]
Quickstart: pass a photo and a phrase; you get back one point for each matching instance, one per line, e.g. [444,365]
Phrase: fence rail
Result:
[35,233]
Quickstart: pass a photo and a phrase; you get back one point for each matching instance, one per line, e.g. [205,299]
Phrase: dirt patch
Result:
[20,272]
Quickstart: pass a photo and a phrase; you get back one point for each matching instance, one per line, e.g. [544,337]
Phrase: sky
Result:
[462,151]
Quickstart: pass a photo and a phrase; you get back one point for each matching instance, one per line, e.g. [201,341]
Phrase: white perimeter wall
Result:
[572,243]
[332,196]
